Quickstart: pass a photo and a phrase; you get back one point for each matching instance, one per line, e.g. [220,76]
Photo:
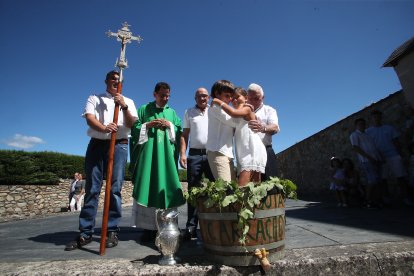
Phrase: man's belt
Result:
[197,152]
[117,141]
[268,146]
[121,141]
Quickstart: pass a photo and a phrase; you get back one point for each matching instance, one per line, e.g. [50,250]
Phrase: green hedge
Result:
[21,167]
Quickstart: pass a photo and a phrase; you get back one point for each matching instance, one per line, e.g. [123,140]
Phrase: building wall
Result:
[307,163]
[405,72]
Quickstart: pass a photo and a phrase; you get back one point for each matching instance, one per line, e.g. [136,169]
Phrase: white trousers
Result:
[76,199]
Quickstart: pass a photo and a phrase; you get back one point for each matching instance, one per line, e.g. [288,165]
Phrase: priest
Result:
[154,154]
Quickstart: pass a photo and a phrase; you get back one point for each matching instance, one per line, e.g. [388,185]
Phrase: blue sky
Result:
[318,61]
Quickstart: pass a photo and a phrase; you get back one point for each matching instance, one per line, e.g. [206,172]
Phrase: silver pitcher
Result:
[168,235]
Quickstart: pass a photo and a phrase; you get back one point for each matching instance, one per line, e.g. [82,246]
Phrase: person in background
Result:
[355,191]
[385,138]
[266,124]
[338,181]
[194,138]
[99,113]
[78,194]
[369,159]
[72,188]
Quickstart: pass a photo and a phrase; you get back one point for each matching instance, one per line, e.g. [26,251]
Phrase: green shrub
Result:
[20,167]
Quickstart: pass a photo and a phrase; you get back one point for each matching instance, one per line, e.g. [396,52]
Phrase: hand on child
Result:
[256,125]
[217,101]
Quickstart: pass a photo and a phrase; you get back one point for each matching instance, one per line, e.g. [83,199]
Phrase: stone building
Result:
[402,59]
[307,163]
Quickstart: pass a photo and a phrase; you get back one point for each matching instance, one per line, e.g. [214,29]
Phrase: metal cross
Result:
[125,36]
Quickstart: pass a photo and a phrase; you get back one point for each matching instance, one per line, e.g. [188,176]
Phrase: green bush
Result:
[20,167]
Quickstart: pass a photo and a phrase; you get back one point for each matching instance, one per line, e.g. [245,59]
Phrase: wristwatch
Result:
[125,107]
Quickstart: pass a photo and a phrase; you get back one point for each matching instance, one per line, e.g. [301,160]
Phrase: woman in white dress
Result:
[250,150]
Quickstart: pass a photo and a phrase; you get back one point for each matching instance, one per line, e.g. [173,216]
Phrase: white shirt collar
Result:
[109,95]
[259,107]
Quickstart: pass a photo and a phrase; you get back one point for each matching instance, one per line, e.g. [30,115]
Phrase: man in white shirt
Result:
[99,113]
[267,125]
[194,137]
[385,138]
[369,158]
[220,135]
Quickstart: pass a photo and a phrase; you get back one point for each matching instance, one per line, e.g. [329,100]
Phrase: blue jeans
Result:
[196,166]
[96,161]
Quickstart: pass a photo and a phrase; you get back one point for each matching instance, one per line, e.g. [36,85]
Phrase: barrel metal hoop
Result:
[258,214]
[269,213]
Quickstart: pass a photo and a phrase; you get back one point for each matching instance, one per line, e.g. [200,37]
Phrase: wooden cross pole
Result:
[125,36]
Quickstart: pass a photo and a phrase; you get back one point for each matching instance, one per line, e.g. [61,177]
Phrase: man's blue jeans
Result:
[196,166]
[95,168]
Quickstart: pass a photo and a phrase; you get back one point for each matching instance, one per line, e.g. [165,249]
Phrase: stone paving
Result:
[320,240]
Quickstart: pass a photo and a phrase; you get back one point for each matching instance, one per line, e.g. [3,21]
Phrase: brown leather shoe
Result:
[112,240]
[78,243]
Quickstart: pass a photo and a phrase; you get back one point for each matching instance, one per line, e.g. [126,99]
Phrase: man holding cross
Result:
[99,112]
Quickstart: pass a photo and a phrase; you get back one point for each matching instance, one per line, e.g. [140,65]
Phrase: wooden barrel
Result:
[221,234]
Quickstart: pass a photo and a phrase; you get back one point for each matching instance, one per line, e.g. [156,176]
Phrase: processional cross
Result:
[125,36]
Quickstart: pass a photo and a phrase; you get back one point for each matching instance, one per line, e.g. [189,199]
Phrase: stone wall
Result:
[25,201]
[307,163]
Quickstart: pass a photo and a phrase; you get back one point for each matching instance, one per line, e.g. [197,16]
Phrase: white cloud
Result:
[24,142]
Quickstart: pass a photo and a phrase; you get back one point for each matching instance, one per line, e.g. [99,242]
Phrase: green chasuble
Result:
[154,162]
